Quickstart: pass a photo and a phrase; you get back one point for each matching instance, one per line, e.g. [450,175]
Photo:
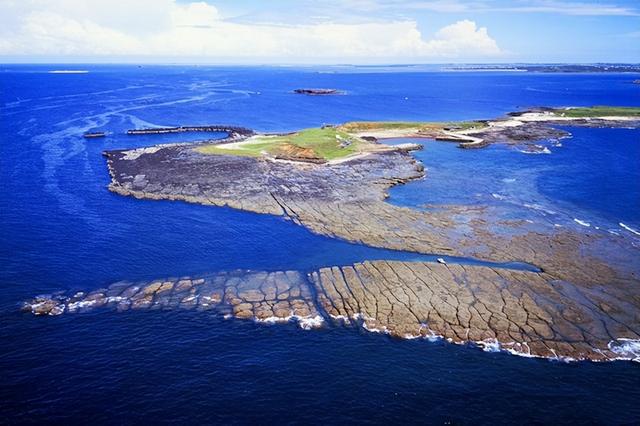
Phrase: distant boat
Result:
[95,135]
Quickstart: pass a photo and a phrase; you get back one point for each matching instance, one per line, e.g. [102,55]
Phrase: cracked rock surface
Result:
[586,295]
[263,296]
[527,313]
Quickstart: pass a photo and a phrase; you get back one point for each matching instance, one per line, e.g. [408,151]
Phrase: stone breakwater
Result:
[233,131]
[525,313]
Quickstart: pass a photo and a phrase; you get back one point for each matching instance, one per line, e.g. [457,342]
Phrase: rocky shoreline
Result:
[583,299]
[498,309]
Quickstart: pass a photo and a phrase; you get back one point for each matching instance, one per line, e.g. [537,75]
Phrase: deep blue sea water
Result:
[60,228]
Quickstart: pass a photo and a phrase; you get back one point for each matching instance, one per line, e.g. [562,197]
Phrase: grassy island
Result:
[598,111]
[345,196]
[319,144]
[348,140]
[423,126]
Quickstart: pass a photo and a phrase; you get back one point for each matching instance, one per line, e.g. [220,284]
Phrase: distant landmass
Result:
[634,68]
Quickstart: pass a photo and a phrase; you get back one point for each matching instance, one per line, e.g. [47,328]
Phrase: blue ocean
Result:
[61,229]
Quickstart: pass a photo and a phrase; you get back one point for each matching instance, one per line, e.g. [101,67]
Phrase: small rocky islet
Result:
[582,303]
[317,92]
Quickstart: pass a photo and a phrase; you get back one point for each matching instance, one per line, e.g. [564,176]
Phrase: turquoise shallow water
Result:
[593,176]
[61,229]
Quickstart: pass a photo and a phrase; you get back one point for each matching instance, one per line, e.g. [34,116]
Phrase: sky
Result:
[320,31]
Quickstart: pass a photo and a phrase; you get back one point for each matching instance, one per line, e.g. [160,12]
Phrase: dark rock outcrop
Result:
[317,91]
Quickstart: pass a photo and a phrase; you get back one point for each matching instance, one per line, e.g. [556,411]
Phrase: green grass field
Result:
[363,126]
[331,143]
[599,111]
[323,143]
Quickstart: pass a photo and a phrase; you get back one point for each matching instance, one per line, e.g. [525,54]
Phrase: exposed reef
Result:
[585,296]
[315,92]
[523,128]
[525,313]
[263,296]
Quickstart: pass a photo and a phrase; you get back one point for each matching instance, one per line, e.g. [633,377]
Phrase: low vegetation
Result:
[364,126]
[598,111]
[321,144]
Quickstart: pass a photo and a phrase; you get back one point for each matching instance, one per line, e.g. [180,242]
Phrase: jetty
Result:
[216,128]
[91,135]
[464,141]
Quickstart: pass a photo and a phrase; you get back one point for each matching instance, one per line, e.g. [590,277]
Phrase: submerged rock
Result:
[262,296]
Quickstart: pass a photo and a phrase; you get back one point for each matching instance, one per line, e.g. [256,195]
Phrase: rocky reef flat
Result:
[583,302]
[525,313]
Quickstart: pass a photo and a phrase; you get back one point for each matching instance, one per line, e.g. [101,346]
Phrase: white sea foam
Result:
[305,323]
[57,310]
[521,349]
[68,72]
[538,207]
[581,222]
[539,150]
[274,320]
[341,318]
[309,323]
[627,349]
[382,330]
[628,228]
[433,337]
[513,348]
[81,304]
[489,345]
[508,180]
[498,196]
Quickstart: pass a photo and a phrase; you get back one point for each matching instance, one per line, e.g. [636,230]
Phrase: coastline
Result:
[345,199]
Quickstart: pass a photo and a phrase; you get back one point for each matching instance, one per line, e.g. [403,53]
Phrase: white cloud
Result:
[572,8]
[558,7]
[461,37]
[168,28]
